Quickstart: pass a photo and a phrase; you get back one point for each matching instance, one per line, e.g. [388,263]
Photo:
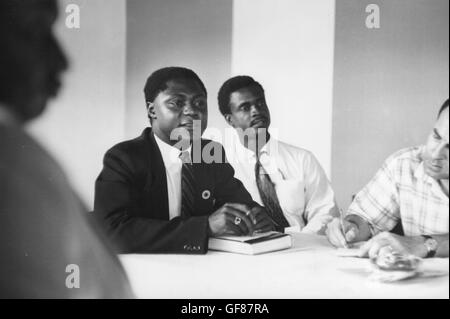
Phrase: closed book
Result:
[251,245]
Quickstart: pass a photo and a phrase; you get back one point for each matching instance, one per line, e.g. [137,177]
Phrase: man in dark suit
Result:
[168,190]
[48,248]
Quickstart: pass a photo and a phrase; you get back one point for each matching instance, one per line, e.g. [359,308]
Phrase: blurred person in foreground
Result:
[411,191]
[48,247]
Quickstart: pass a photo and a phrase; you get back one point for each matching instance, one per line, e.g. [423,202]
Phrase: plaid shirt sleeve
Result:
[378,202]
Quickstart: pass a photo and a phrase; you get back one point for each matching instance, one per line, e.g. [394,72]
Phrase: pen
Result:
[341,219]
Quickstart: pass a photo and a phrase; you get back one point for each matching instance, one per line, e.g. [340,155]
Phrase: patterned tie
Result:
[188,186]
[269,197]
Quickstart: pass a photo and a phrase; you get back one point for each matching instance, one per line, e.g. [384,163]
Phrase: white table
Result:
[311,269]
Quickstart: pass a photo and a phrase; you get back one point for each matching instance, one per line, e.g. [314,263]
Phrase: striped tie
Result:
[269,197]
[188,186]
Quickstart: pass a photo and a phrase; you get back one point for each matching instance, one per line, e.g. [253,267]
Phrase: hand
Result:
[231,219]
[261,220]
[388,242]
[341,234]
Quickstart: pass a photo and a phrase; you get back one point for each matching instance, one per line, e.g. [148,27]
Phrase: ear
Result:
[229,120]
[151,110]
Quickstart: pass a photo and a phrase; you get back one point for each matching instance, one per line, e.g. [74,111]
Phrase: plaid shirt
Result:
[401,191]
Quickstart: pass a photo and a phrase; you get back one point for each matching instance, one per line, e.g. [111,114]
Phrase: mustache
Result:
[258,119]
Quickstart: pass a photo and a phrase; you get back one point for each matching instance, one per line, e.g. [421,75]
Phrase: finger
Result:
[232,229]
[351,235]
[263,230]
[332,238]
[264,226]
[337,235]
[246,223]
[263,217]
[231,220]
[364,250]
[375,249]
[245,209]
[259,214]
[385,250]
[240,207]
[260,217]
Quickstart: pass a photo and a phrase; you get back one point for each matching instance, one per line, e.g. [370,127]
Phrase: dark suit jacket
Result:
[131,199]
[44,229]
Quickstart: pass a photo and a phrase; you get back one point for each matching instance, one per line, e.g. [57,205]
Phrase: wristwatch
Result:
[431,244]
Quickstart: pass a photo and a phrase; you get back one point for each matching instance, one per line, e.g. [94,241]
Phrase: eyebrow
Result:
[243,104]
[180,95]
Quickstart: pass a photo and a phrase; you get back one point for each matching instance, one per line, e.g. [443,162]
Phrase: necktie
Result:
[269,196]
[188,186]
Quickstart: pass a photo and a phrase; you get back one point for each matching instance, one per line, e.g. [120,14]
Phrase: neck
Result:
[255,142]
[182,145]
[444,185]
[7,117]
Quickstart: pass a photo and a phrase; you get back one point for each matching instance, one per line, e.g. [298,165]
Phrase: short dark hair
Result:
[157,82]
[232,85]
[443,107]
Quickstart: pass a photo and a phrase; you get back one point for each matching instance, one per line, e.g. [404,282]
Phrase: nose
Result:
[59,58]
[254,110]
[190,110]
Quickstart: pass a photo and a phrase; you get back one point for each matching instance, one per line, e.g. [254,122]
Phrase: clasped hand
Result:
[239,220]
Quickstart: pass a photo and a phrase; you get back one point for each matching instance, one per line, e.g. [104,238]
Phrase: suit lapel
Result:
[156,185]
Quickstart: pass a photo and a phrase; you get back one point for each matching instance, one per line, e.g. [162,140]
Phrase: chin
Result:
[32,110]
[436,175]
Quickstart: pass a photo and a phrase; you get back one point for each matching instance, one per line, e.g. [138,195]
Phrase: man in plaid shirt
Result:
[411,190]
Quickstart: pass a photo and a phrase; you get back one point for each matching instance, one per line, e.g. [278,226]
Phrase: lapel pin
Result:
[206,195]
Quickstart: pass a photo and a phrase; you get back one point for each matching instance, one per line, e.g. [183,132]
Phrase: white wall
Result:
[288,46]
[88,116]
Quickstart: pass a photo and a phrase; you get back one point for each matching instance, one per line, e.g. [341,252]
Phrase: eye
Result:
[261,104]
[245,107]
[176,103]
[200,104]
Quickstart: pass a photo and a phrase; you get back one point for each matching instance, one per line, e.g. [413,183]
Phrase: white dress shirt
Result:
[173,164]
[303,189]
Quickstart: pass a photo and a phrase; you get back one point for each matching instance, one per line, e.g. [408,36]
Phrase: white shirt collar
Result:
[243,153]
[170,154]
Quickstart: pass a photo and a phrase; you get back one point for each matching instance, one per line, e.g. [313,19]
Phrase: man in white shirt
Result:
[287,180]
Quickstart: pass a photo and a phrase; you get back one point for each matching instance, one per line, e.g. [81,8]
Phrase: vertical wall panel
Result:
[389,84]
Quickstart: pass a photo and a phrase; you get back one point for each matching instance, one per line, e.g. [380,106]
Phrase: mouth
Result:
[188,125]
[435,167]
[54,85]
[258,121]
